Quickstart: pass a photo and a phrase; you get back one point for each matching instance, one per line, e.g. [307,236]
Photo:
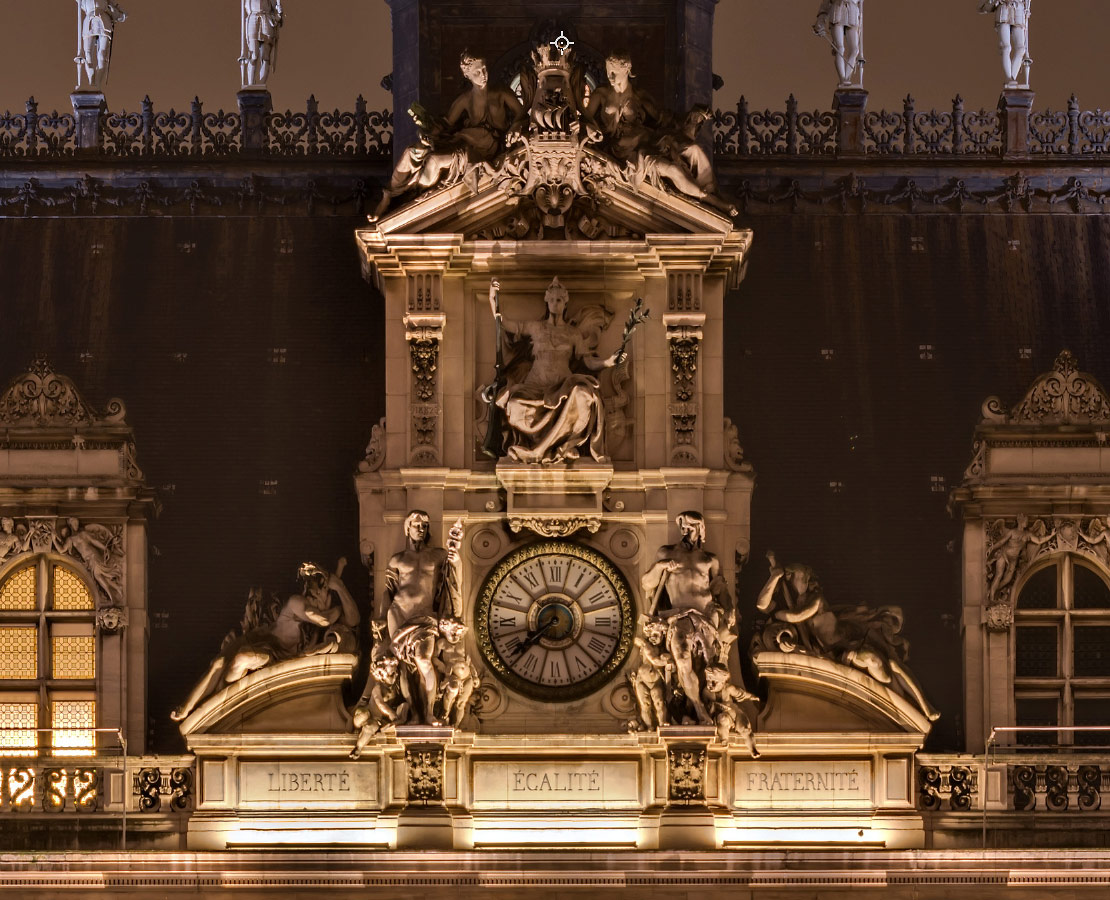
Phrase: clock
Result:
[554,620]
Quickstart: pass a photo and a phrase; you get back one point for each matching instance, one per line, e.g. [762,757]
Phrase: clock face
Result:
[554,620]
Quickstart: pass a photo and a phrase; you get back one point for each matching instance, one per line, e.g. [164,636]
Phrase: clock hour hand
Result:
[533,637]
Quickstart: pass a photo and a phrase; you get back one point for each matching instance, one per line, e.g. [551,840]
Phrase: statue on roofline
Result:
[644,143]
[1011,19]
[802,621]
[840,22]
[306,624]
[261,24]
[96,25]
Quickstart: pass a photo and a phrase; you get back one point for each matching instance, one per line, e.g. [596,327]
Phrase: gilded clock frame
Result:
[562,693]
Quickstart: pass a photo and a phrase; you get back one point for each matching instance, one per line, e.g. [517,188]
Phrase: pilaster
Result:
[851,106]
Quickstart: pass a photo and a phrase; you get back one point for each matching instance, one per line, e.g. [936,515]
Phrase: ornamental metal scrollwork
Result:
[687,775]
[181,788]
[1056,788]
[1089,781]
[959,782]
[86,789]
[928,783]
[54,783]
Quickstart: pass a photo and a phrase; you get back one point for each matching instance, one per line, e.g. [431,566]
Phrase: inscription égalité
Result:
[555,782]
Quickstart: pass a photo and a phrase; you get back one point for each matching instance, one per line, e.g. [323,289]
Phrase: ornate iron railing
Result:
[194,133]
[32,134]
[315,133]
[768,133]
[1072,132]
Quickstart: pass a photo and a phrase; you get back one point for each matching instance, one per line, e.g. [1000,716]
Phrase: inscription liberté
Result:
[556,782]
[803,781]
[308,782]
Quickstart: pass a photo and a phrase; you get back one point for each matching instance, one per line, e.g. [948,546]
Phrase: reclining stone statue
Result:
[802,621]
[305,624]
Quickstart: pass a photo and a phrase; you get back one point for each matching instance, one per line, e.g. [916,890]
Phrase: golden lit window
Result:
[73,721]
[73,651]
[70,591]
[19,656]
[18,591]
[18,721]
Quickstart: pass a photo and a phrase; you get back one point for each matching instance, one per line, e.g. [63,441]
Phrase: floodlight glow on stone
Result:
[562,43]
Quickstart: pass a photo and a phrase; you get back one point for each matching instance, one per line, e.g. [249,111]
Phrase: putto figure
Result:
[96,23]
[840,22]
[688,597]
[1011,18]
[382,706]
[306,624]
[421,589]
[261,22]
[556,408]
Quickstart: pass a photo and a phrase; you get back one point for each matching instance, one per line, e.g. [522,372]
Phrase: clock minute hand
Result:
[533,637]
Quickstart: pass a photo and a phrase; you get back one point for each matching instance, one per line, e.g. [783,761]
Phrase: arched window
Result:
[47,660]
[1062,651]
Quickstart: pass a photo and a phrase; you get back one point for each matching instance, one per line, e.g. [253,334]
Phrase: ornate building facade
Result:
[600,352]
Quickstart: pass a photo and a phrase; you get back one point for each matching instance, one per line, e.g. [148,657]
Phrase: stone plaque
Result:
[308,785]
[802,784]
[554,784]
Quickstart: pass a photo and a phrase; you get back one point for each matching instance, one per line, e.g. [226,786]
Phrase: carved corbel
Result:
[423,332]
[684,336]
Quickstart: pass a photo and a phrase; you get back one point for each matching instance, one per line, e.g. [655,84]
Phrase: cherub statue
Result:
[382,707]
[654,674]
[723,700]
[840,22]
[307,623]
[459,676]
[1008,552]
[1011,18]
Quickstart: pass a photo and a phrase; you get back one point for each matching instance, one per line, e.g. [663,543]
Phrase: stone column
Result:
[1014,108]
[851,105]
[254,107]
[88,109]
[687,822]
[425,822]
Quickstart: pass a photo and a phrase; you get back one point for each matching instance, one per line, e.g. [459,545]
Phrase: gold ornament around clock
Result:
[554,620]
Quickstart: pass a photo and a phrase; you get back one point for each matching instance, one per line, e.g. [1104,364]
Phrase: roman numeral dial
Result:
[554,620]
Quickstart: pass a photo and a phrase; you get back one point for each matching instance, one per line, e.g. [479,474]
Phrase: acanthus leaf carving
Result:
[41,398]
[425,774]
[1064,396]
[687,774]
[554,526]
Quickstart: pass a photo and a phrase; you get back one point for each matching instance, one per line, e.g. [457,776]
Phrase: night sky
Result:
[337,49]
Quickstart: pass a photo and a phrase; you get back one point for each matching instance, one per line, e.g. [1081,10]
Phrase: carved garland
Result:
[423,340]
[683,342]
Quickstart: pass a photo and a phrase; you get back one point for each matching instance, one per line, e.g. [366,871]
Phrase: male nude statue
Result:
[417,595]
[701,616]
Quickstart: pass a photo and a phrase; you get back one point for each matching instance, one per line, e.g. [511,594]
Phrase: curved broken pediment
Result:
[297,695]
[813,694]
[41,398]
[1064,396]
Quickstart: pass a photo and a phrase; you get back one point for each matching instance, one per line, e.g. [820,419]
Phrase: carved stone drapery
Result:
[424,334]
[424,766]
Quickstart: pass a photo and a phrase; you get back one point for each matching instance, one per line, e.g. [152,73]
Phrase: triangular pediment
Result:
[551,192]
